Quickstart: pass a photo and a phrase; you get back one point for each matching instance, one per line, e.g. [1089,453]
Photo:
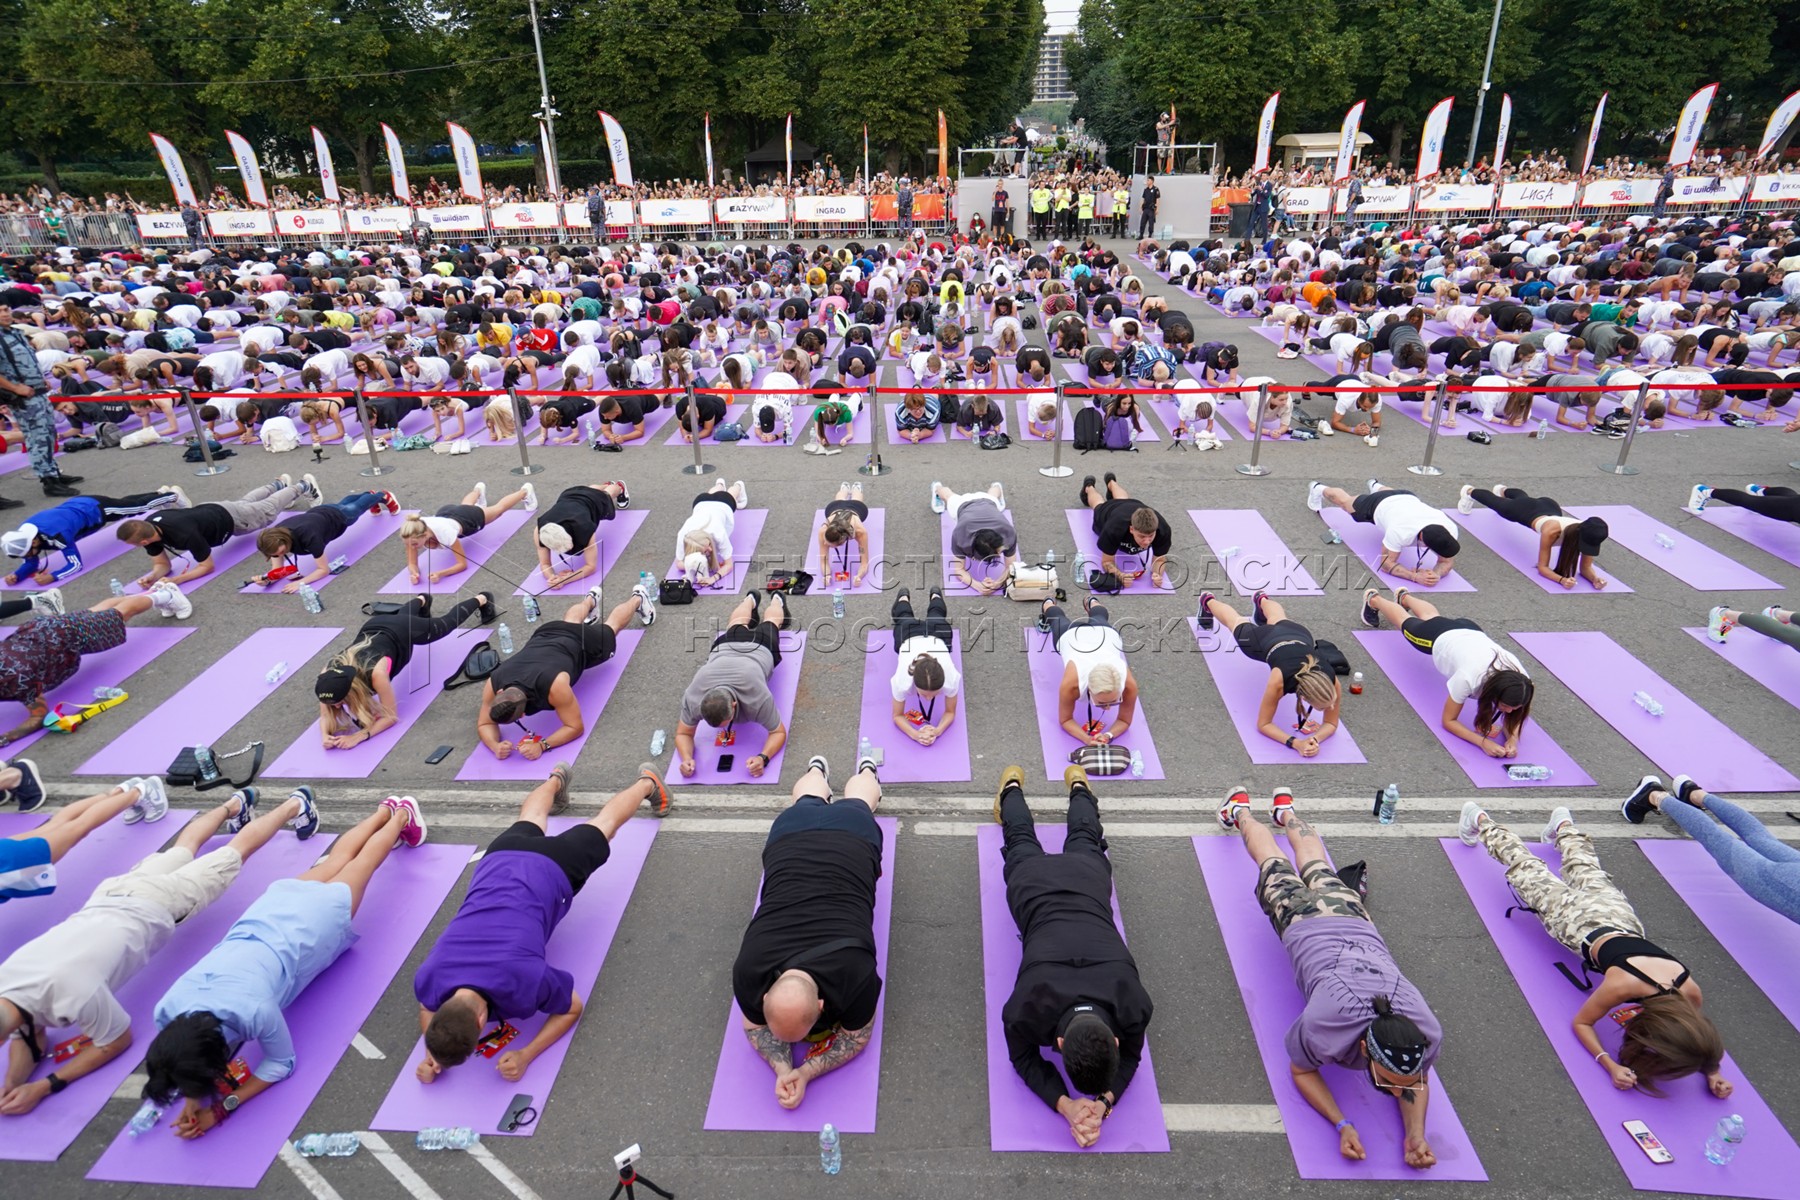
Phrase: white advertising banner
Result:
[1768,187]
[618,213]
[1619,193]
[377,220]
[306,222]
[1537,195]
[1708,189]
[161,225]
[691,211]
[539,215]
[831,208]
[1306,200]
[1455,197]
[732,209]
[455,216]
[248,223]
[1377,199]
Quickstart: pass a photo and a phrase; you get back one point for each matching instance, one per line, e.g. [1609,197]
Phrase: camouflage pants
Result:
[1315,891]
[1571,907]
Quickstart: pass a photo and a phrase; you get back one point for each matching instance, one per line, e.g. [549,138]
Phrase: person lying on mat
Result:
[1665,1035]
[311,533]
[59,531]
[1078,989]
[925,677]
[1773,622]
[446,529]
[805,971]
[1095,674]
[1126,526]
[491,965]
[733,682]
[1775,503]
[542,676]
[237,992]
[1295,669]
[356,692]
[45,652]
[197,531]
[28,859]
[703,543]
[1405,522]
[1361,1013]
[844,517]
[1767,869]
[574,521]
[1576,542]
[981,531]
[1473,666]
[67,977]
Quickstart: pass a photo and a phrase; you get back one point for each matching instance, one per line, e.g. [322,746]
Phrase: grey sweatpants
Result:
[259,508]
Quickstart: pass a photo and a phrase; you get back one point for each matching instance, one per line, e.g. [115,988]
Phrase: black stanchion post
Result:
[1055,470]
[1439,399]
[525,466]
[699,466]
[1637,414]
[202,436]
[370,437]
[1254,466]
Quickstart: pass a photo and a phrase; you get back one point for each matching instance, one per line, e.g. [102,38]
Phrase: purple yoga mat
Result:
[44,1133]
[744,537]
[1693,562]
[1229,417]
[1087,554]
[677,430]
[952,585]
[1046,680]
[1265,977]
[592,692]
[614,535]
[97,549]
[1017,1119]
[825,580]
[1421,686]
[1241,681]
[12,462]
[144,644]
[1517,546]
[1762,659]
[1767,1163]
[479,548]
[1022,416]
[224,560]
[945,760]
[889,423]
[474,1094]
[216,700]
[365,534]
[1686,738]
[1364,541]
[1263,561]
[401,900]
[1764,943]
[784,684]
[109,850]
[743,1090]
[1779,538]
[414,690]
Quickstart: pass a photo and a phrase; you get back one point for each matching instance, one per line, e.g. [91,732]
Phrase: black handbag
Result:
[1331,656]
[675,591]
[792,583]
[239,768]
[1105,582]
[481,661]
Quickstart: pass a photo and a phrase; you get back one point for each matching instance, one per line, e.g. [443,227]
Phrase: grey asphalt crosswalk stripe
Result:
[1223,1118]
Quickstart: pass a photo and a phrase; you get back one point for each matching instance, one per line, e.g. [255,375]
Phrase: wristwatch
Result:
[1290,741]
[230,1102]
[57,1083]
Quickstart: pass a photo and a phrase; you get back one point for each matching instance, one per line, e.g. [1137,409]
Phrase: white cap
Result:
[17,544]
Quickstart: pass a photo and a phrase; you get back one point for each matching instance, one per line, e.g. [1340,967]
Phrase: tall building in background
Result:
[1051,85]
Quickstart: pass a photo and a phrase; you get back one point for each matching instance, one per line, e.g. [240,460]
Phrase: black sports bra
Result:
[1620,950]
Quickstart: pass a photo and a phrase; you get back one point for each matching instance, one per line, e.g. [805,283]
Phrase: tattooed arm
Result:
[777,1053]
[846,1044]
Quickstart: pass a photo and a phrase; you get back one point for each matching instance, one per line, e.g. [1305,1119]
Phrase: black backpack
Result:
[949,409]
[1090,430]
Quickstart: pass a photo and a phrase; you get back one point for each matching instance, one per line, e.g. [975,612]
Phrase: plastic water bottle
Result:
[648,581]
[441,1137]
[532,609]
[203,758]
[658,740]
[506,638]
[1390,800]
[590,431]
[118,589]
[1721,1147]
[1528,771]
[837,603]
[1050,558]
[1665,541]
[108,693]
[310,599]
[1231,552]
[831,1154]
[1647,702]
[339,565]
[276,672]
[1543,429]
[1137,765]
[1333,538]
[332,1145]
[144,1120]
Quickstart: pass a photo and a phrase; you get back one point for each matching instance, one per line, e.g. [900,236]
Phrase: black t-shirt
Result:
[1101,359]
[793,309]
[712,410]
[967,420]
[1112,529]
[860,357]
[191,531]
[314,529]
[631,411]
[556,648]
[579,510]
[818,888]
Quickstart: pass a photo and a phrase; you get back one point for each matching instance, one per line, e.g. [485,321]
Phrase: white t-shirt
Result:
[587,332]
[1091,646]
[67,975]
[1402,518]
[714,518]
[263,337]
[443,529]
[1466,657]
[1349,397]
[1501,356]
[227,368]
[331,364]
[909,650]
[584,359]
[433,372]
[1344,345]
[1556,344]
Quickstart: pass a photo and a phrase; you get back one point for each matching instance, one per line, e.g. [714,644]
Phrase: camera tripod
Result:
[628,1177]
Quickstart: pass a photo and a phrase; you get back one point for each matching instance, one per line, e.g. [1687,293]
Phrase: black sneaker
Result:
[8,503]
[1637,806]
[29,793]
[1256,612]
[1086,483]
[489,611]
[1204,618]
[56,488]
[1370,615]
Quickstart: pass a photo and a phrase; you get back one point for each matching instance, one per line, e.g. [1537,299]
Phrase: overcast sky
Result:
[1060,15]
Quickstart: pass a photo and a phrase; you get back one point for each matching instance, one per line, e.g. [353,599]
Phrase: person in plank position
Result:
[1078,988]
[1361,1013]
[1123,525]
[1405,521]
[805,971]
[196,532]
[572,525]
[28,859]
[981,532]
[491,964]
[67,977]
[733,682]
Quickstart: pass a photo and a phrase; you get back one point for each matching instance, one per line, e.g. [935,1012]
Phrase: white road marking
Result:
[307,1174]
[131,1087]
[1222,1118]
[502,1172]
[365,1047]
[1327,829]
[397,1166]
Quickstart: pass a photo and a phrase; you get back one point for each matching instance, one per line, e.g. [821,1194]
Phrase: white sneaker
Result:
[1698,497]
[312,487]
[1717,624]
[719,485]
[49,602]
[531,500]
[596,595]
[1001,488]
[1465,500]
[646,604]
[1468,826]
[481,496]
[1374,486]
[284,480]
[1559,816]
[1315,496]
[741,494]
[937,501]
[181,496]
[152,802]
[169,600]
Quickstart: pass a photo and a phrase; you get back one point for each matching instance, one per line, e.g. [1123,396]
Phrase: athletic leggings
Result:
[1776,503]
[12,608]
[1770,627]
[1518,505]
[1767,869]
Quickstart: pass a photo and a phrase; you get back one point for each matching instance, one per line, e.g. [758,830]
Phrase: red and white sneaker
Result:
[1281,807]
[390,502]
[1236,805]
